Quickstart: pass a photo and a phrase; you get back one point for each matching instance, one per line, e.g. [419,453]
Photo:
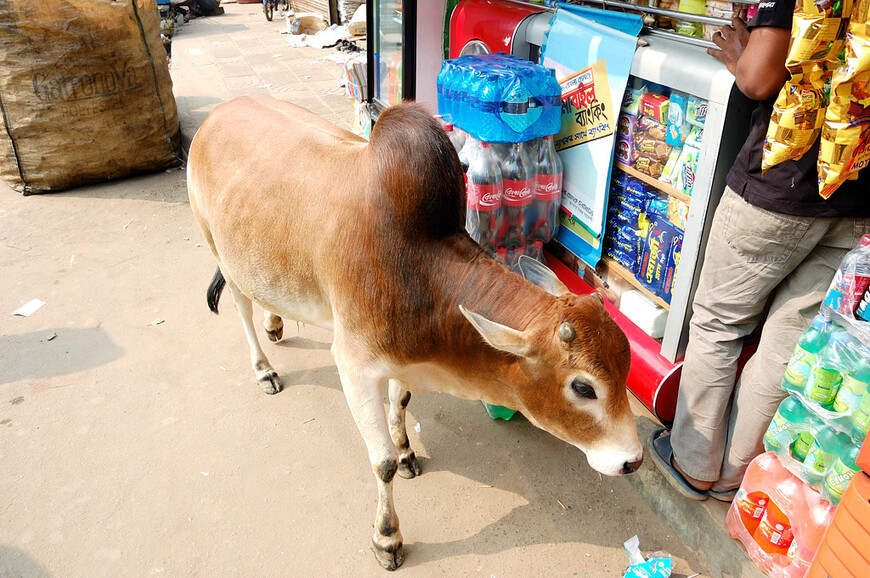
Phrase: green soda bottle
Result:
[840,474]
[831,363]
[854,386]
[788,416]
[826,446]
[802,444]
[811,342]
[861,417]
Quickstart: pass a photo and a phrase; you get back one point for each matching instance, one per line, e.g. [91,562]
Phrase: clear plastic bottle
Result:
[790,415]
[840,474]
[861,417]
[851,280]
[469,149]
[456,136]
[827,444]
[832,362]
[810,343]
[547,191]
[855,384]
[484,191]
[518,174]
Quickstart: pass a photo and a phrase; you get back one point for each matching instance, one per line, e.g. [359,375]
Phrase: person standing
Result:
[773,248]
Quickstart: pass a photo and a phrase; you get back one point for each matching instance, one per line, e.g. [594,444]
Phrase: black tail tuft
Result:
[213,295]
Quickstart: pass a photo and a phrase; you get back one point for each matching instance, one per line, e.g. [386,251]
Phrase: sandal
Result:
[726,496]
[662,455]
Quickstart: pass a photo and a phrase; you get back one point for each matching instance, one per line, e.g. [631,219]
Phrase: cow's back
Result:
[269,182]
[300,213]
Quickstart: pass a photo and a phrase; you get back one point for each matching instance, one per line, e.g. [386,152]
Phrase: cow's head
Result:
[572,367]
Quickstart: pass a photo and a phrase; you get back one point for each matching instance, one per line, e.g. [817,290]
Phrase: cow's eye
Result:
[583,389]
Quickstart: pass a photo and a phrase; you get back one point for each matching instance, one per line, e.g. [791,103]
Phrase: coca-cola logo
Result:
[550,187]
[517,194]
[490,199]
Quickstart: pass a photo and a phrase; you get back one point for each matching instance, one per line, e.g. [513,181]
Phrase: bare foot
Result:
[697,484]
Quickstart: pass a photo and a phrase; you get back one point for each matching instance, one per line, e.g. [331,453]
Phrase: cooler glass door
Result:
[391,51]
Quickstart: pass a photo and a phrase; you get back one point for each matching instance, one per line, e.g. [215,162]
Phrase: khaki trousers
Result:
[754,258]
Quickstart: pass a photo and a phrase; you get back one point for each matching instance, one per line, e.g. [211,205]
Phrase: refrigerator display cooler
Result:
[661,58]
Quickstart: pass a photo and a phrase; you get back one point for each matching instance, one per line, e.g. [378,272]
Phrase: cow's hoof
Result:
[275,335]
[390,558]
[270,382]
[409,467]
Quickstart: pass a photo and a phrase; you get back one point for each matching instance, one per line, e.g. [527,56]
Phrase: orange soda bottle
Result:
[751,507]
[774,534]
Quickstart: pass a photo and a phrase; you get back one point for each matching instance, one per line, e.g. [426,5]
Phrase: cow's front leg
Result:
[409,467]
[364,396]
[266,376]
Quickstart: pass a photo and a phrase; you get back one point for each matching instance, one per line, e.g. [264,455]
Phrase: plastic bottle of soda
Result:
[519,177]
[789,415]
[832,362]
[827,444]
[855,384]
[863,311]
[840,474]
[751,507]
[456,136]
[861,417]
[536,251]
[484,191]
[547,192]
[810,343]
[851,280]
[774,534]
[469,149]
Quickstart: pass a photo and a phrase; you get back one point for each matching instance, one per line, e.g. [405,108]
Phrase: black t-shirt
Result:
[790,187]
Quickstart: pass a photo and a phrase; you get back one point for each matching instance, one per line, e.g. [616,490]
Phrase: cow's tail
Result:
[213,295]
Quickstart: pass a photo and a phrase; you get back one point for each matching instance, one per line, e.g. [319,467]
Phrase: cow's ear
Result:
[540,275]
[499,336]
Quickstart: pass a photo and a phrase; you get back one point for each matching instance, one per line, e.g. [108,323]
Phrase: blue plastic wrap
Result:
[499,97]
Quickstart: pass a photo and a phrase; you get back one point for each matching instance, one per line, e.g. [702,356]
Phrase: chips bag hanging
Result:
[845,143]
[817,39]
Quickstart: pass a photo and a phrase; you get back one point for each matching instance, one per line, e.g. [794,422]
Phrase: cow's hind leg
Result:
[274,326]
[266,376]
[363,392]
[409,467]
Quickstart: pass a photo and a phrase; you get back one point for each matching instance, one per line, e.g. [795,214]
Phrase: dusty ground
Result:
[135,442]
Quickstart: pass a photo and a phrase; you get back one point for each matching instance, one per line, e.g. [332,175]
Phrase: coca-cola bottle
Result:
[536,251]
[484,190]
[547,191]
[518,173]
[456,136]
[468,151]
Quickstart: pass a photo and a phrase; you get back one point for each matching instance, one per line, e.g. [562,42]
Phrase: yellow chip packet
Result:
[818,36]
[798,116]
[845,142]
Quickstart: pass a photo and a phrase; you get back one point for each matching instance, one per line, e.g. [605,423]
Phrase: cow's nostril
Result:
[631,467]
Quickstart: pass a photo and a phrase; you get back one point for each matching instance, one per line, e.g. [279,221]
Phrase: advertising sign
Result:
[591,51]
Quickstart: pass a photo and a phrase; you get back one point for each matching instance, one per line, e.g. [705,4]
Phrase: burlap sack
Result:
[85,93]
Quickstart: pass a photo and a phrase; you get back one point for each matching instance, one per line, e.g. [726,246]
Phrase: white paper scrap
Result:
[29,308]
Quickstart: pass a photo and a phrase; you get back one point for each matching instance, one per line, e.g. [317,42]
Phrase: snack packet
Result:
[817,40]
[845,142]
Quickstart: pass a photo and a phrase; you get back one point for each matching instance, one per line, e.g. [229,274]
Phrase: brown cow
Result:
[367,239]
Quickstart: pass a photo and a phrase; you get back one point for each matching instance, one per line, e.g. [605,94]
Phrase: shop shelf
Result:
[663,187]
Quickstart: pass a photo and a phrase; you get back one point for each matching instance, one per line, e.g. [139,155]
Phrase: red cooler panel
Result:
[492,22]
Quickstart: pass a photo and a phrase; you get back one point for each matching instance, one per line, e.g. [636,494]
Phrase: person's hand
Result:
[731,41]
